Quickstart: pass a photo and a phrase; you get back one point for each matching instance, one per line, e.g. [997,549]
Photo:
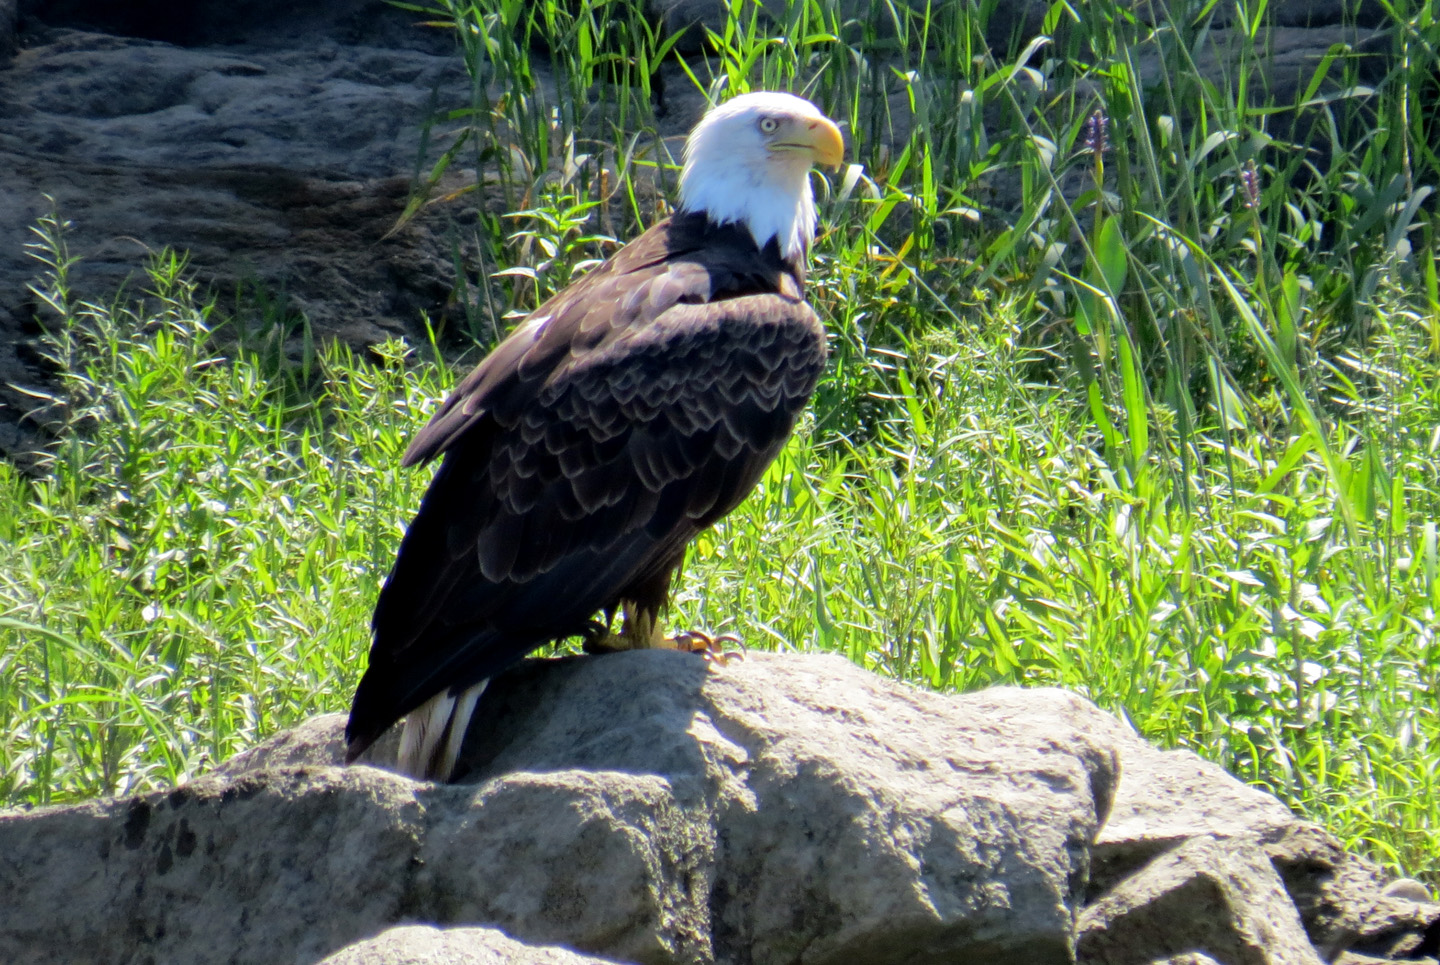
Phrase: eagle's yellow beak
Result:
[820,137]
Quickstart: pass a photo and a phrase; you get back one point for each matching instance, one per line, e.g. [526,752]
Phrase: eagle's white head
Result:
[749,161]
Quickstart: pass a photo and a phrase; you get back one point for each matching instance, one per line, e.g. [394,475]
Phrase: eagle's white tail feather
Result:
[434,732]
[423,727]
[459,724]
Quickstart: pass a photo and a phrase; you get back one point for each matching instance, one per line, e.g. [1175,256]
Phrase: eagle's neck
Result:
[732,245]
[773,205]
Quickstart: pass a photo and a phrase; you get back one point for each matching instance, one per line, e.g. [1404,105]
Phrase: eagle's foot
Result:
[639,631]
[711,649]
[599,638]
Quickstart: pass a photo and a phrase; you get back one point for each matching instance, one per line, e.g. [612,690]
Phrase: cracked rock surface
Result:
[642,807]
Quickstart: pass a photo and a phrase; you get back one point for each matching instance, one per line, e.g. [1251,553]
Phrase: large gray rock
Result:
[425,945]
[647,808]
[638,806]
[850,816]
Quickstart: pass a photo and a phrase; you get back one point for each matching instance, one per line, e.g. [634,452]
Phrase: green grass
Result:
[1150,438]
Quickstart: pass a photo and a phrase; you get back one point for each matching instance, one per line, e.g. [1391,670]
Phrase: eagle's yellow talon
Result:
[711,649]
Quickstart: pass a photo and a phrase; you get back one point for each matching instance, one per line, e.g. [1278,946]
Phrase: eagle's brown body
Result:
[623,417]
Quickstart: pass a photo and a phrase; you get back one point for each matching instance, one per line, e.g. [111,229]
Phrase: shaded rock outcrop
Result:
[273,142]
[9,42]
[643,807]
[140,118]
[374,23]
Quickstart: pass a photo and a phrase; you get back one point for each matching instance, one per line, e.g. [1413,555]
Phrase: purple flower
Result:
[1250,182]
[1096,132]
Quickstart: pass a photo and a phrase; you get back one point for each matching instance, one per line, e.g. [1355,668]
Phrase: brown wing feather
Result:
[615,296]
[622,418]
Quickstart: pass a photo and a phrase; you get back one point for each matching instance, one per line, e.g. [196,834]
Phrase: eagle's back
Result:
[622,417]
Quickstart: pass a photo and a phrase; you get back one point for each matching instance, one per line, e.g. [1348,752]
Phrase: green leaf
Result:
[1299,446]
[1101,417]
[1288,311]
[1133,395]
[913,405]
[1111,257]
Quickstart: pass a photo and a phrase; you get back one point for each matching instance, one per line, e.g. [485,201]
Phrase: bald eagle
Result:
[621,418]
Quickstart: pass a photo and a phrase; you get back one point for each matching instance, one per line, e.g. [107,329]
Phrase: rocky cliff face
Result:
[644,807]
[274,142]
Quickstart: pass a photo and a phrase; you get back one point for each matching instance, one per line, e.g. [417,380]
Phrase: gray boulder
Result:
[426,945]
[645,807]
[781,806]
[784,807]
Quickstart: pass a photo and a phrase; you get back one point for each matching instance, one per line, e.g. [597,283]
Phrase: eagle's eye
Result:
[768,125]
